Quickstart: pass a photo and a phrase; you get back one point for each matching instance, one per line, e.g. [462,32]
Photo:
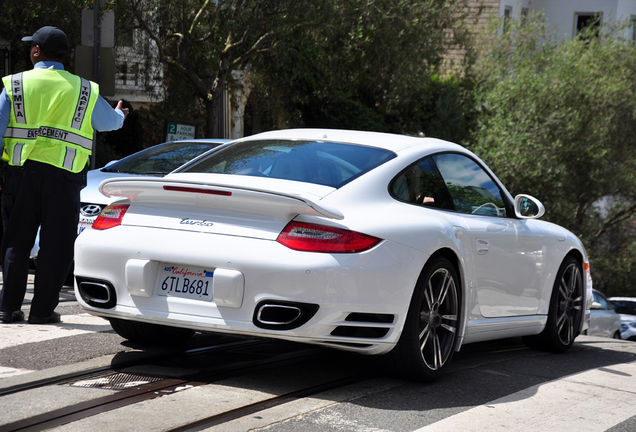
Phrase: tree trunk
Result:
[212,118]
[243,84]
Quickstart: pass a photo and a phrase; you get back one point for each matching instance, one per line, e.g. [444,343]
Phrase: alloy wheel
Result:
[438,319]
[569,303]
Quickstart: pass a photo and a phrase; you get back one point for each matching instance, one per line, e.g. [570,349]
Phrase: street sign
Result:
[178,130]
[84,67]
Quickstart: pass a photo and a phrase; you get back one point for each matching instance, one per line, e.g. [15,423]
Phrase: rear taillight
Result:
[309,237]
[110,217]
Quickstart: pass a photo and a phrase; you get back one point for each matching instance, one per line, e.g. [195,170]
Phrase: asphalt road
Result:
[499,386]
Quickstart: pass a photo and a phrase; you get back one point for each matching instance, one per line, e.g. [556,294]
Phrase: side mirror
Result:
[527,207]
[596,306]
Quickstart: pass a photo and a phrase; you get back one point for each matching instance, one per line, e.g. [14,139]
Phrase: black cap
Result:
[51,39]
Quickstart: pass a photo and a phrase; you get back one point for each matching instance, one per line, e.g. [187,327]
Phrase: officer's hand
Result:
[124,110]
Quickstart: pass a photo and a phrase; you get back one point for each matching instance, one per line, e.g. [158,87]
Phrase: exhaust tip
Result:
[282,315]
[277,314]
[97,293]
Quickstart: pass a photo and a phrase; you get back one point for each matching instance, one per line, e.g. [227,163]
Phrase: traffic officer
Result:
[47,118]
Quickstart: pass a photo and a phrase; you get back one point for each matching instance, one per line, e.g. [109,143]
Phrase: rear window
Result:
[329,164]
[625,307]
[160,159]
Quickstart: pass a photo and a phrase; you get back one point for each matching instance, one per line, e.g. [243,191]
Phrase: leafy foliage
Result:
[558,120]
[441,107]
[21,18]
[204,41]
[371,64]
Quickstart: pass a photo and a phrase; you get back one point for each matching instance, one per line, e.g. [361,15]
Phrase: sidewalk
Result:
[590,401]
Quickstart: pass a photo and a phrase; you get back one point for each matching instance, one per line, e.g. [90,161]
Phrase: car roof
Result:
[200,140]
[383,140]
[633,299]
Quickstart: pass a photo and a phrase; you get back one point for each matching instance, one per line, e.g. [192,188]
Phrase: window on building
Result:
[587,24]
[507,17]
[125,38]
[524,13]
[632,28]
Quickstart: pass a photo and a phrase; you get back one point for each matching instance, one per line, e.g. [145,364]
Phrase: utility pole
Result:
[97,36]
[97,32]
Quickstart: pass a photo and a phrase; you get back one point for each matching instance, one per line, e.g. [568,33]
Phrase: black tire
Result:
[427,343]
[617,335]
[566,310]
[150,334]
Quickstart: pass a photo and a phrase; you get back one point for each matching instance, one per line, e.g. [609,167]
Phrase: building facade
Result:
[568,17]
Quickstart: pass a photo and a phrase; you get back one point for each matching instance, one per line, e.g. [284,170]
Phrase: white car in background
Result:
[604,321]
[157,160]
[367,242]
[626,308]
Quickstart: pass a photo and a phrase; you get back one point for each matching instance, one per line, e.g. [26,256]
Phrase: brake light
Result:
[309,237]
[197,190]
[110,217]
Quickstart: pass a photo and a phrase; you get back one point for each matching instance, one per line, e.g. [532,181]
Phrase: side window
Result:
[470,187]
[601,300]
[422,184]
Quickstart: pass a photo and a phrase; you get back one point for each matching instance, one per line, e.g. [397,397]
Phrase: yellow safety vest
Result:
[50,118]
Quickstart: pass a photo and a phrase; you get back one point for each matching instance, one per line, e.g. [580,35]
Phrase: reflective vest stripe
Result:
[82,104]
[17,153]
[18,98]
[50,132]
[69,157]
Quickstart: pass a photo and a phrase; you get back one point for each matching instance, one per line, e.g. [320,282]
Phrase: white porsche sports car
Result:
[361,241]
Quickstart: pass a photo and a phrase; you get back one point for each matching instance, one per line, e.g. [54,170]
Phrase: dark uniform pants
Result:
[38,195]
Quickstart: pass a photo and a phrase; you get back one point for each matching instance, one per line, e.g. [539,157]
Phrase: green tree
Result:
[21,18]
[558,120]
[204,41]
[366,64]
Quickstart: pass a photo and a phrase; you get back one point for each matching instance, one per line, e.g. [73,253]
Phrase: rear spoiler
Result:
[154,189]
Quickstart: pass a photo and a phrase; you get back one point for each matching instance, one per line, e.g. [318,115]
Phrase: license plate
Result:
[82,226]
[84,223]
[186,282]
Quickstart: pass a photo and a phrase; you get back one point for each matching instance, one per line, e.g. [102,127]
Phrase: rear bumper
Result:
[360,300]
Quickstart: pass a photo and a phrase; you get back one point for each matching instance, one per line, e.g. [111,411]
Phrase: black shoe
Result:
[9,317]
[52,319]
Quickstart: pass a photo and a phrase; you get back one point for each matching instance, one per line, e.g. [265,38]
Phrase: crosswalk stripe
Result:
[591,401]
[21,333]
[6,372]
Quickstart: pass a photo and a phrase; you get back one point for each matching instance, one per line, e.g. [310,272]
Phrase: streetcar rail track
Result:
[244,360]
[126,364]
[166,386]
[266,404]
